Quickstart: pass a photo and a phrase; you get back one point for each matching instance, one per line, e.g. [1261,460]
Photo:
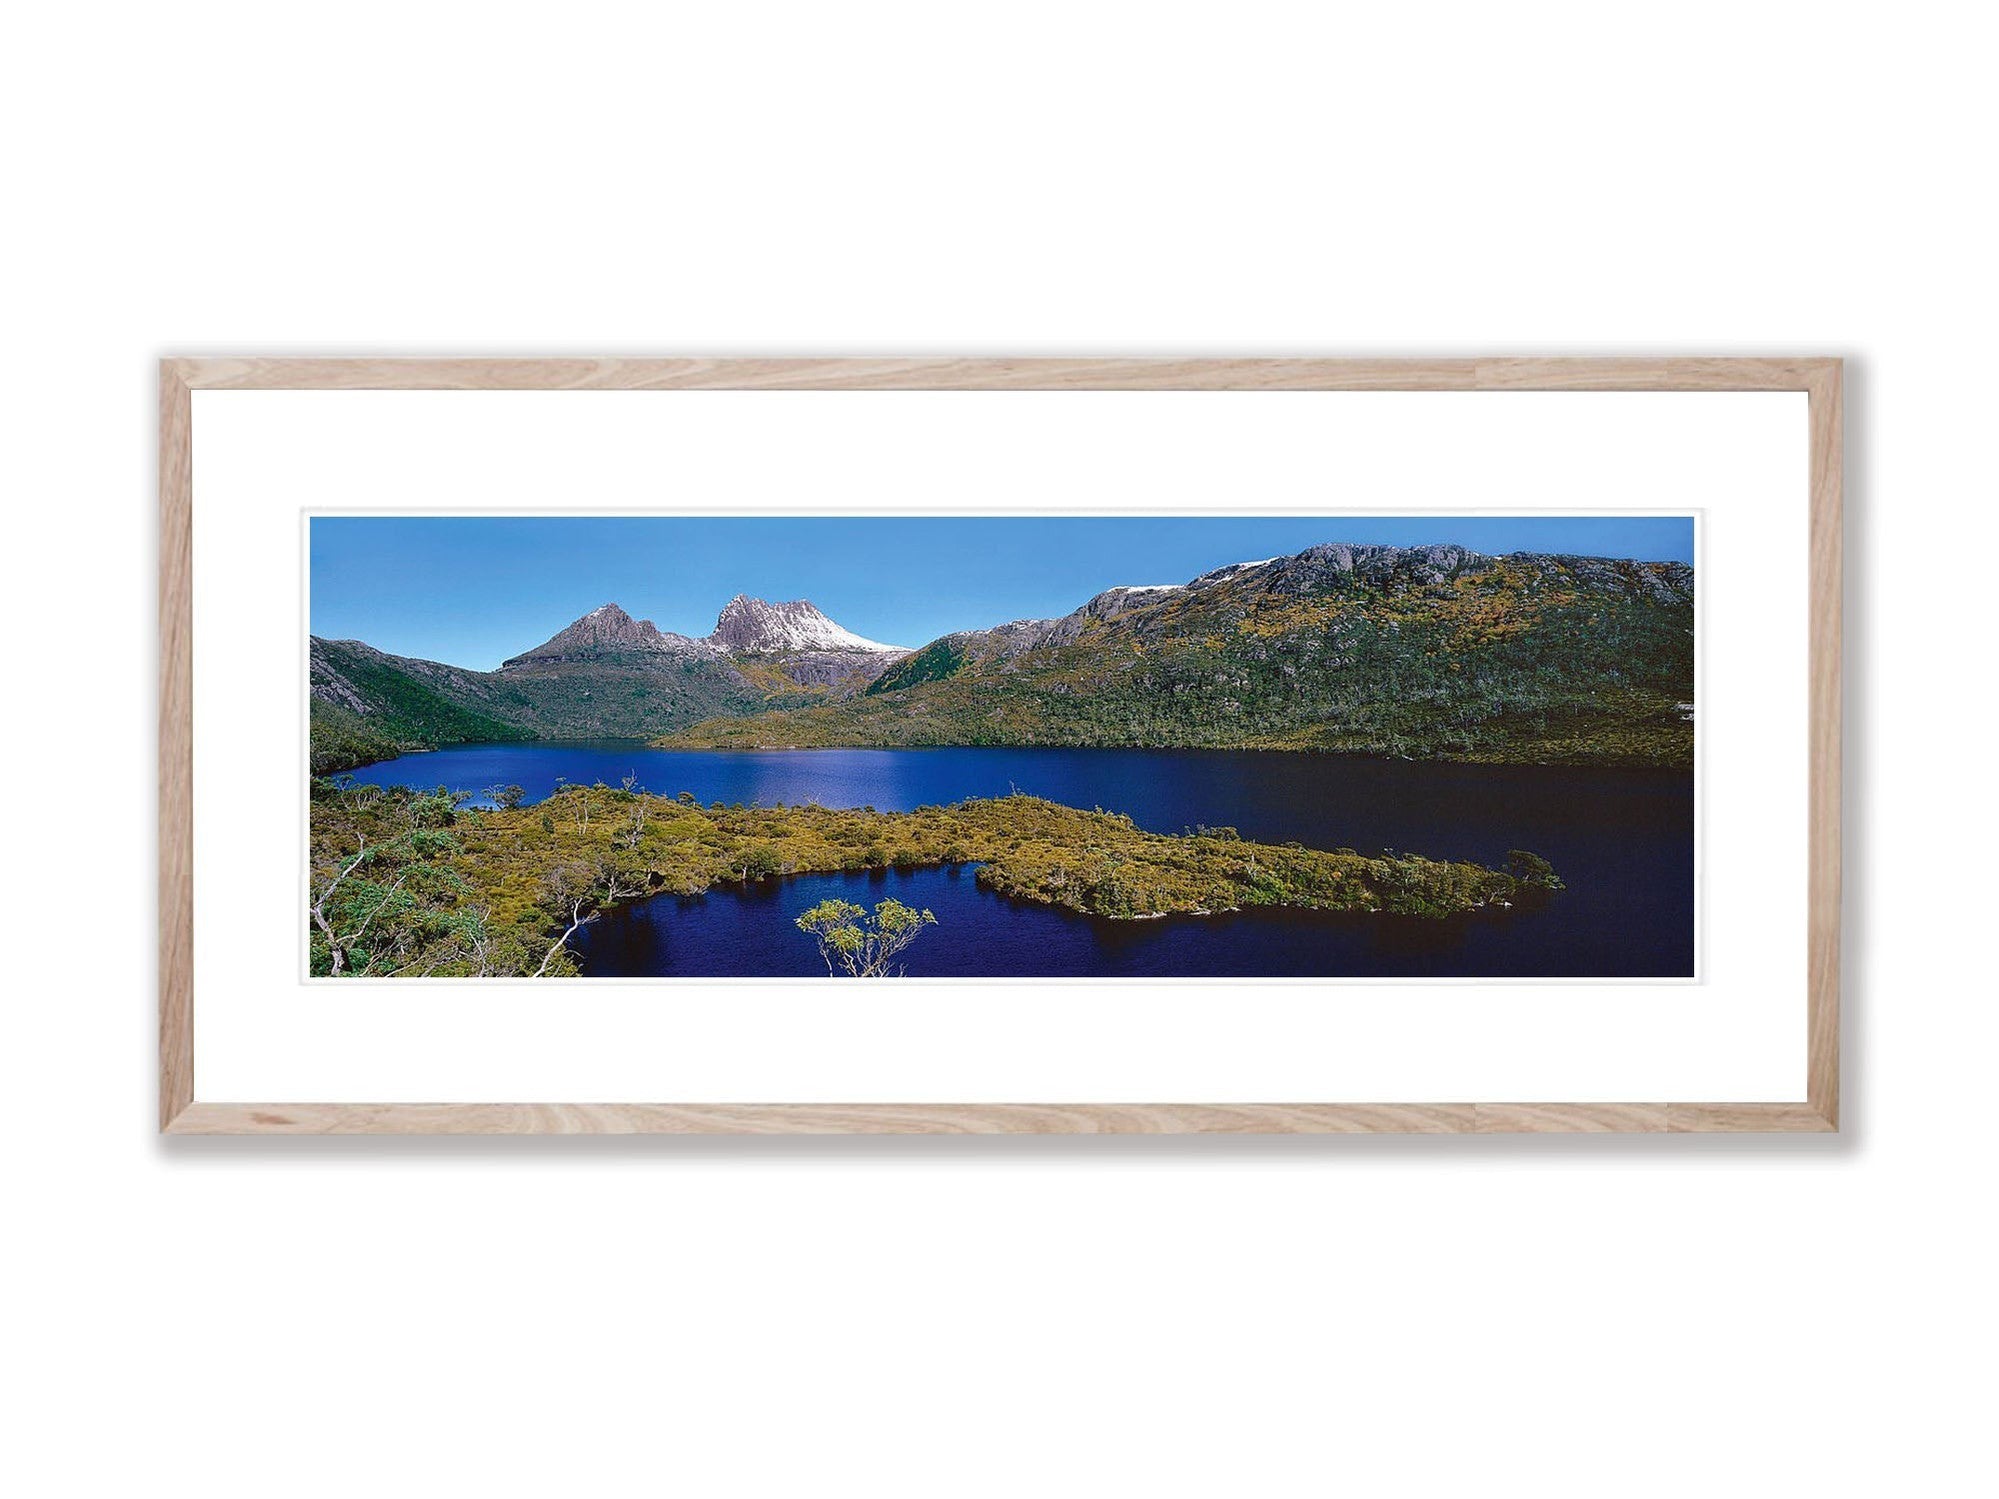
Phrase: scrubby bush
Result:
[494,867]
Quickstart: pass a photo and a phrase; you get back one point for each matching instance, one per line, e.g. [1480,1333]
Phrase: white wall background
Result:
[1545,1317]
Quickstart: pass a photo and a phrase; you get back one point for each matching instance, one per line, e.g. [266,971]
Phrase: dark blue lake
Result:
[1623,840]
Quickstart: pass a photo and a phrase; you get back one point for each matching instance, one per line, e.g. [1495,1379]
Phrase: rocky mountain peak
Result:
[606,630]
[755,625]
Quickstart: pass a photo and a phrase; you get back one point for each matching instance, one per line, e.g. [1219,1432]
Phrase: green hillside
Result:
[370,706]
[1421,651]
[1426,652]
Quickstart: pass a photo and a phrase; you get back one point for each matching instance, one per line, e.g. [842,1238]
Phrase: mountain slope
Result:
[370,706]
[608,633]
[605,675]
[792,649]
[748,624]
[1432,651]
[367,705]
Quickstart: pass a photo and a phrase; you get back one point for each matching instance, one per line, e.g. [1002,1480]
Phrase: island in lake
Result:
[1354,759]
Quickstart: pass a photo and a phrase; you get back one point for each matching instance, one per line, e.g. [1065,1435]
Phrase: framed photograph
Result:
[1058,746]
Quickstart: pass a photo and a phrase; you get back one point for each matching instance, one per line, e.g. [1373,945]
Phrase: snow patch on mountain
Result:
[1233,570]
[754,625]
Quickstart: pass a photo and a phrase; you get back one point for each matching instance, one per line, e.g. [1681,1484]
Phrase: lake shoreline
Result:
[655,747]
[1622,838]
[532,873]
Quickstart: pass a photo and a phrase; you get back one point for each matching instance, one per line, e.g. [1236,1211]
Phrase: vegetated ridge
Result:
[607,675]
[1432,651]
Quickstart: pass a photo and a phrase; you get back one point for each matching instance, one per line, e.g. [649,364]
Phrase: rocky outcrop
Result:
[607,632]
[1424,650]
[752,625]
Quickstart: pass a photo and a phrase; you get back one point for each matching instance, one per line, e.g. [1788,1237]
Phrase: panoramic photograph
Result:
[1332,747]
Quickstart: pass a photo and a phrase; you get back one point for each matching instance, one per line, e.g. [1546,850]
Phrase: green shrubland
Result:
[1562,660]
[1425,652]
[410,883]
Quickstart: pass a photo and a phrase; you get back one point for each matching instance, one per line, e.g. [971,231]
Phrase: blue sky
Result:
[474,590]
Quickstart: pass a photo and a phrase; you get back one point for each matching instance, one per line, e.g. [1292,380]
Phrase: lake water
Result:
[1623,840]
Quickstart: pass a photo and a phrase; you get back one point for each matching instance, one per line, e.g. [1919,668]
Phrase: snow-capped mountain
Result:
[749,624]
[1324,650]
[757,649]
[1339,647]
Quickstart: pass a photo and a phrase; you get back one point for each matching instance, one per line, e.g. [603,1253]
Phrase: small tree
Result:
[438,810]
[1531,869]
[393,908]
[506,798]
[572,894]
[859,945]
[635,826]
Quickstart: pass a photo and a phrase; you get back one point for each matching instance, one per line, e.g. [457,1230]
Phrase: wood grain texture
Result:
[1001,374]
[1749,1118]
[1819,378]
[1652,374]
[993,1118]
[823,1119]
[830,374]
[1825,715]
[176,851]
[1570,1118]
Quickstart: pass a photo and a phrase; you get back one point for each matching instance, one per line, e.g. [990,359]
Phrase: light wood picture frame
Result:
[183,1111]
